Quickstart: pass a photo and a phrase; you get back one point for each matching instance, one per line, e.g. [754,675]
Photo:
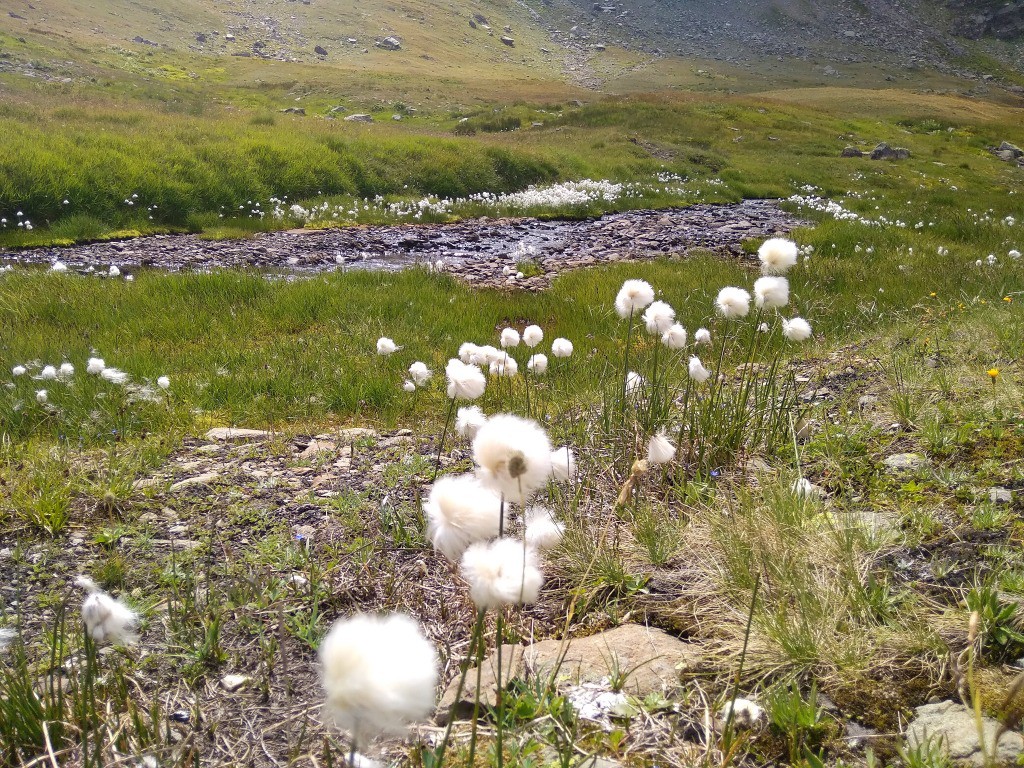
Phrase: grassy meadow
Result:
[809,574]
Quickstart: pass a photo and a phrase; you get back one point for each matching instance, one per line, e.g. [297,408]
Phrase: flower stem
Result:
[475,641]
[444,435]
[499,641]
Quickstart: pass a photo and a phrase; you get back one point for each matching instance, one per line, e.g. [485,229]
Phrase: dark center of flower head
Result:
[517,465]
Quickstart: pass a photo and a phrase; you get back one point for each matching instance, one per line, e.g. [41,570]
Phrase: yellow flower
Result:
[1007,299]
[932,294]
[993,373]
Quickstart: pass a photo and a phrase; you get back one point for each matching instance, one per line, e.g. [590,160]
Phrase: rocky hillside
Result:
[988,18]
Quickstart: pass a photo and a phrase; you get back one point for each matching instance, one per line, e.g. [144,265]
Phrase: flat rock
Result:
[953,726]
[232,683]
[234,434]
[906,462]
[359,118]
[316,447]
[194,482]
[1000,495]
[652,658]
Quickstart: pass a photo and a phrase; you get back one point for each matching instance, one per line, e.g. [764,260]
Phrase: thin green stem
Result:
[444,436]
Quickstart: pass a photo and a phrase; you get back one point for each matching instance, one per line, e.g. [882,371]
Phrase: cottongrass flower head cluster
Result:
[632,297]
[514,455]
[660,449]
[386,346]
[537,364]
[379,673]
[659,317]
[461,510]
[465,382]
[561,348]
[419,373]
[106,619]
[796,329]
[733,302]
[533,335]
[502,572]
[777,256]
[468,421]
[771,292]
[542,530]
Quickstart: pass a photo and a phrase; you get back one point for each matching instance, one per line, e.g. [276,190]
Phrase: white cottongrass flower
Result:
[509,338]
[468,421]
[58,266]
[114,271]
[114,376]
[95,366]
[702,336]
[42,396]
[385,346]
[461,511]
[49,373]
[532,335]
[420,373]
[777,255]
[163,382]
[537,364]
[698,372]
[733,302]
[488,354]
[771,292]
[561,348]
[660,449]
[66,371]
[408,386]
[507,366]
[380,674]
[563,464]
[658,318]
[634,384]
[1014,254]
[515,455]
[503,572]
[465,382]
[19,370]
[467,352]
[744,713]
[763,328]
[633,296]
[542,530]
[106,620]
[796,329]
[805,489]
[674,337]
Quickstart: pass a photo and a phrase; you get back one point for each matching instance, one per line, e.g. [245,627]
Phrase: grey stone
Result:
[906,462]
[852,152]
[1000,495]
[511,43]
[390,43]
[194,482]
[319,50]
[232,434]
[953,726]
[232,683]
[884,152]
[294,110]
[359,118]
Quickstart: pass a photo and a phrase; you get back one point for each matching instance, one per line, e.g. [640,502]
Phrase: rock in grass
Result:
[906,462]
[884,152]
[194,482]
[1000,495]
[359,118]
[234,434]
[232,683]
[852,152]
[953,726]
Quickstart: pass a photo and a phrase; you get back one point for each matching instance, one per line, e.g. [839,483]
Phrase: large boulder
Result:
[953,727]
[390,43]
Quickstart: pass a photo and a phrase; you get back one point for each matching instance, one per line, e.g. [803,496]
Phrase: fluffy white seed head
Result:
[95,366]
[514,454]
[380,674]
[467,351]
[19,370]
[114,271]
[561,348]
[634,384]
[538,364]
[386,346]
[563,464]
[509,338]
[777,255]
[487,354]
[658,318]
[420,373]
[58,266]
[42,396]
[532,335]
[796,329]
[114,376]
[507,366]
[805,489]
[468,421]
[66,371]
[674,337]
[461,511]
[543,530]
[771,292]
[503,572]
[49,373]
[465,382]
[732,302]
[163,382]
[697,371]
[106,620]
[745,713]
[633,296]
[660,449]
[408,386]
[702,336]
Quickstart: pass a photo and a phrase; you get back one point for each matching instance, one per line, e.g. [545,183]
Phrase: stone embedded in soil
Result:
[194,482]
[234,434]
[653,659]
[232,683]
[954,727]
[906,462]
[1000,495]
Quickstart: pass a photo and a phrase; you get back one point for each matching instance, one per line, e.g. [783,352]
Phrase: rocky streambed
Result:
[487,252]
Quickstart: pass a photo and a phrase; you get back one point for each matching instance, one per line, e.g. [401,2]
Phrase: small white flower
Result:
[632,297]
[163,382]
[533,335]
[771,292]
[465,382]
[658,318]
[58,266]
[19,370]
[796,329]
[660,449]
[563,464]
[95,366]
[514,454]
[114,271]
[41,396]
[509,338]
[66,371]
[468,421]
[777,255]
[702,336]
[107,620]
[543,530]
[49,373]
[538,364]
[501,573]
[733,302]
[674,337]
[634,384]
[1014,254]
[386,346]
[561,348]
[408,386]
[420,373]
[697,371]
